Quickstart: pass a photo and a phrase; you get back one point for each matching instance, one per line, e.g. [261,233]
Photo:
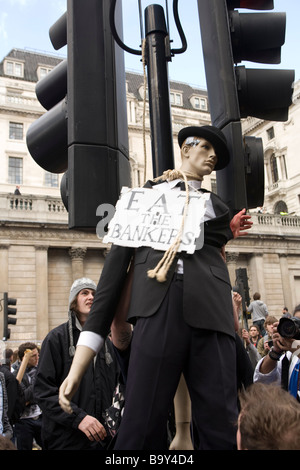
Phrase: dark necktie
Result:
[181,185]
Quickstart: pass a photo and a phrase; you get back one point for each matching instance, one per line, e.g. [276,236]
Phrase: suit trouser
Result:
[163,347]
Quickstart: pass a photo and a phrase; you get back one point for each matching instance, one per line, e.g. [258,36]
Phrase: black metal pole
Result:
[158,90]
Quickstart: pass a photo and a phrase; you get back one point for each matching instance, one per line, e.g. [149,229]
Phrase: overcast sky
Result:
[25,24]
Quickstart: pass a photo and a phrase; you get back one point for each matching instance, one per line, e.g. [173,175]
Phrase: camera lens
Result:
[287,328]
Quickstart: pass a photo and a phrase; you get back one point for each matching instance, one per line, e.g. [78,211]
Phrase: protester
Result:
[265,343]
[11,384]
[84,429]
[259,312]
[252,351]
[28,427]
[269,419]
[254,334]
[5,426]
[281,364]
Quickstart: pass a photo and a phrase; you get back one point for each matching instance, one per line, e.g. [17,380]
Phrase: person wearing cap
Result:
[84,429]
[183,317]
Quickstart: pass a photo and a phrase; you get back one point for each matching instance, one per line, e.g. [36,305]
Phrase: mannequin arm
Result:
[182,405]
[82,358]
[121,330]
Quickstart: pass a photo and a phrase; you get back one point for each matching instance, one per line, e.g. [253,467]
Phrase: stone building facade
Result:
[40,257]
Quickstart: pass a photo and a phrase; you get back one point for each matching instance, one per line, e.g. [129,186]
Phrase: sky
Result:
[24,24]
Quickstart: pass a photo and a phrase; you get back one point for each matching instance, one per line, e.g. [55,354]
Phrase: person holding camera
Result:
[281,364]
[266,342]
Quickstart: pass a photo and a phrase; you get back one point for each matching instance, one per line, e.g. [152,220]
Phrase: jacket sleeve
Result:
[50,374]
[109,290]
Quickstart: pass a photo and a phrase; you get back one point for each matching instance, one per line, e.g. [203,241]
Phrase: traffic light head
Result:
[235,92]
[251,4]
[257,37]
[263,93]
[7,311]
[84,130]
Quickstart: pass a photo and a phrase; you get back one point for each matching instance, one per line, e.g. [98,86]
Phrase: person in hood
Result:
[84,429]
[259,312]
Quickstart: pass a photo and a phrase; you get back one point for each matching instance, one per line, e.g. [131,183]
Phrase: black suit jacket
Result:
[207,301]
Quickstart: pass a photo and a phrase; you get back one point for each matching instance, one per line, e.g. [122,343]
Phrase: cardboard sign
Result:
[147,217]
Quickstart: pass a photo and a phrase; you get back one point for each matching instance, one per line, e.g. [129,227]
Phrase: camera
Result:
[289,327]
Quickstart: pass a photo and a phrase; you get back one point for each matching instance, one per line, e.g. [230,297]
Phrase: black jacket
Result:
[206,285]
[12,386]
[59,429]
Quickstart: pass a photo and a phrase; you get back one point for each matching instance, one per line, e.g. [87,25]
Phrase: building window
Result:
[281,208]
[213,183]
[14,68]
[43,71]
[51,180]
[15,170]
[274,169]
[176,99]
[271,133]
[16,131]
[203,104]
[200,103]
[141,91]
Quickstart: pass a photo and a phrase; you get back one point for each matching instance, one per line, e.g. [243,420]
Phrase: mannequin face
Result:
[199,157]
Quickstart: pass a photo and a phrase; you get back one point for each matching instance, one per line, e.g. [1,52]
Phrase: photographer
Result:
[281,365]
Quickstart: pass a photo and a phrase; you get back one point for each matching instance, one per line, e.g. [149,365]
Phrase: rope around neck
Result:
[161,270]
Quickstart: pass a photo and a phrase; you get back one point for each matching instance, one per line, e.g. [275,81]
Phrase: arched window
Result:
[280,208]
[274,169]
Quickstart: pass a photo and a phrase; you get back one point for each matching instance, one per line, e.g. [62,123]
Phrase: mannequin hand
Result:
[239,223]
[68,388]
[182,439]
[66,391]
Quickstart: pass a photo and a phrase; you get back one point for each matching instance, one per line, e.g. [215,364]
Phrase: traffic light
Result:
[242,280]
[84,131]
[235,92]
[242,287]
[7,320]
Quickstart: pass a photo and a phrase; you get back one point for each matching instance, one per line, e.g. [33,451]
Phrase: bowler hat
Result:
[213,135]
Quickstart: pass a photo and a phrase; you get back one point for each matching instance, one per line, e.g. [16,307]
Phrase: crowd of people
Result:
[32,417]
[153,357]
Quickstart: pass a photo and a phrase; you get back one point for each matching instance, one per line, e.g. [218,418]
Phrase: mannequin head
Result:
[203,149]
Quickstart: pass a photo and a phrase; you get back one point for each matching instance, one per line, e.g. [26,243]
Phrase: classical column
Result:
[42,300]
[231,261]
[77,256]
[257,275]
[285,280]
[4,268]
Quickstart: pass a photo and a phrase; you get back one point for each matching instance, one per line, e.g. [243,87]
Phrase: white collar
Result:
[195,184]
